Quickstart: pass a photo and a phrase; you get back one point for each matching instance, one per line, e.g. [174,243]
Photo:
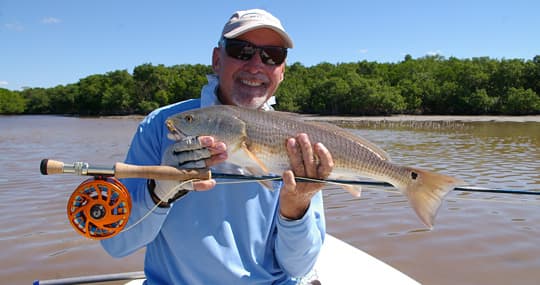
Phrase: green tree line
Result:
[427,85]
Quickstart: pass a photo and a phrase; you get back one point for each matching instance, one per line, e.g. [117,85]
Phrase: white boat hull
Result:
[338,263]
[341,263]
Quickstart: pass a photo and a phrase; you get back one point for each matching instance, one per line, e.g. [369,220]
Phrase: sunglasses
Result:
[242,50]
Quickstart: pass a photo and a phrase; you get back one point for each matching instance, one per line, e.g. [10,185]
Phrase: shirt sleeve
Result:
[145,220]
[299,242]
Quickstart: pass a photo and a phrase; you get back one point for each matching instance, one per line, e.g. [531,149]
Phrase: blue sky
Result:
[44,43]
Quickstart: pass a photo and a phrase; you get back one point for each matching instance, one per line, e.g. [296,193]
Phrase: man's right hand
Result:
[191,152]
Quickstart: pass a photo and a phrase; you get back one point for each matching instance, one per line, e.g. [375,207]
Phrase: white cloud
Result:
[14,26]
[364,50]
[433,53]
[51,20]
[3,82]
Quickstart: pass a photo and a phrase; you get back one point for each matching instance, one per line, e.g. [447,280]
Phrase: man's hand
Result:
[306,161]
[191,152]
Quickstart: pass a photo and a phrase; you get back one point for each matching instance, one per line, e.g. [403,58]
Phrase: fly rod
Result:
[100,206]
[122,170]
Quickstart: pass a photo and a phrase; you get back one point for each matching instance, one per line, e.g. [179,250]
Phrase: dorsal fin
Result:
[359,140]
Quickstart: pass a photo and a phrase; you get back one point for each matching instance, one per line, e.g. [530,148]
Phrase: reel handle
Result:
[123,170]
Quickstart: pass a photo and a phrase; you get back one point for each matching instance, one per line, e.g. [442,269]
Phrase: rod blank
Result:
[368,183]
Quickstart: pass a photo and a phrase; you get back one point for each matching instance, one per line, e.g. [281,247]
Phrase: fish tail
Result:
[425,192]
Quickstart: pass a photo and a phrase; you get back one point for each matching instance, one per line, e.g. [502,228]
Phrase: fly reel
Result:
[99,208]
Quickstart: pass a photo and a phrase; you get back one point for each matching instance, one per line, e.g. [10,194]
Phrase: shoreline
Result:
[427,118]
[334,118]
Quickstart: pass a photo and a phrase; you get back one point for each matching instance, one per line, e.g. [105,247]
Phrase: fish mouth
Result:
[174,132]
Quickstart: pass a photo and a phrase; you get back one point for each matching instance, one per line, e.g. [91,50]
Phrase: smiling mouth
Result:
[252,83]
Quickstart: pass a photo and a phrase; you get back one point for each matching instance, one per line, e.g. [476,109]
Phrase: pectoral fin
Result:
[255,166]
[355,190]
[256,172]
[254,158]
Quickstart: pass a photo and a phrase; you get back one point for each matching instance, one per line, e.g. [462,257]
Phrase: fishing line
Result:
[141,219]
[157,204]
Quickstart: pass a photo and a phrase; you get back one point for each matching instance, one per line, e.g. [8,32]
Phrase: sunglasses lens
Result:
[273,55]
[239,49]
[243,50]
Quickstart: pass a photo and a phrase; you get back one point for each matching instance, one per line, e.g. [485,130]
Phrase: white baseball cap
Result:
[244,21]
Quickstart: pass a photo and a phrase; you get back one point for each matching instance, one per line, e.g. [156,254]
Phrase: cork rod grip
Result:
[159,172]
[49,166]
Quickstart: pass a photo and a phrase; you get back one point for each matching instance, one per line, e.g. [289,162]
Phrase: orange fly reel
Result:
[99,208]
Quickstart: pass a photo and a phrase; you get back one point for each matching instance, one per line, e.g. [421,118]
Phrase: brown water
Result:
[478,238]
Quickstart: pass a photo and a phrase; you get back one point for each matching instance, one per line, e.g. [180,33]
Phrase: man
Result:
[232,233]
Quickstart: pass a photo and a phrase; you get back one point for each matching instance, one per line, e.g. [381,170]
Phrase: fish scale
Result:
[283,127]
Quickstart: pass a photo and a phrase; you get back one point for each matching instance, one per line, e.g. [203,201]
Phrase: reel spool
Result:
[99,208]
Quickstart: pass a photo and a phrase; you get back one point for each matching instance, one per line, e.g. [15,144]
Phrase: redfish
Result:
[256,142]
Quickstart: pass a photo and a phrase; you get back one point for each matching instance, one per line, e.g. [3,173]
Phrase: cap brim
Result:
[244,29]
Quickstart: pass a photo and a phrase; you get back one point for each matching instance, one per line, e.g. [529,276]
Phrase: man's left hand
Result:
[307,160]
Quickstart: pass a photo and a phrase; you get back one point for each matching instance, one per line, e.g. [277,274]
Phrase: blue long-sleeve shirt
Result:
[232,234]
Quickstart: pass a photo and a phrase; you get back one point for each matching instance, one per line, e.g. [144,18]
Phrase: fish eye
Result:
[188,118]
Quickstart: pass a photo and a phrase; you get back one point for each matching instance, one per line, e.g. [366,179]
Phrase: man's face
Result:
[248,83]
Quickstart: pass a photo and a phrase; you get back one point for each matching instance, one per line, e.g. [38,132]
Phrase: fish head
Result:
[210,121]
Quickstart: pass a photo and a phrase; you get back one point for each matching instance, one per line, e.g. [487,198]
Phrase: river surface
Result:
[479,238]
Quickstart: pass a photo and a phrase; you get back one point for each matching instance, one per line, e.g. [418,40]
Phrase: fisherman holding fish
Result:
[205,232]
